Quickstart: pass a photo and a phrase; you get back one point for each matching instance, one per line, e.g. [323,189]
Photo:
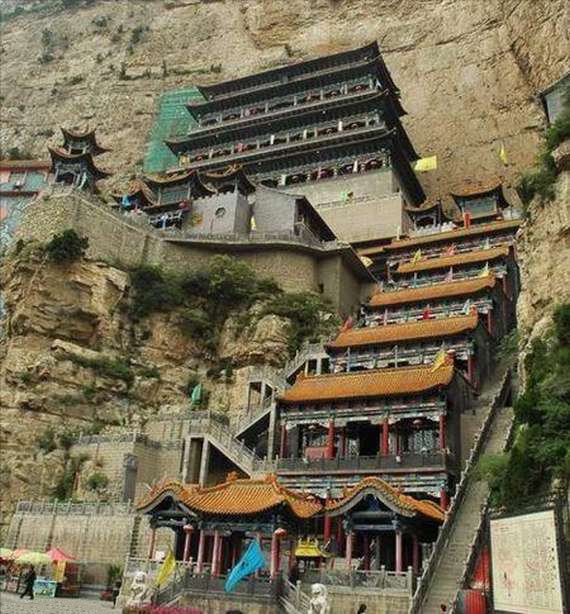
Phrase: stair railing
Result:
[424,581]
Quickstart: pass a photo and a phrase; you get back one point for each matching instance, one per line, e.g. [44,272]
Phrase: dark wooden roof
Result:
[471,192]
[344,73]
[69,136]
[293,71]
[63,156]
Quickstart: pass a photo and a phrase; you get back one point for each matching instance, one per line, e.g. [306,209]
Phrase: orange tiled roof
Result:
[462,287]
[447,261]
[371,383]
[237,497]
[449,235]
[403,504]
[393,333]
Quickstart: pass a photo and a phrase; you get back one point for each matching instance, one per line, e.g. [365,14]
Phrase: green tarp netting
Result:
[173,120]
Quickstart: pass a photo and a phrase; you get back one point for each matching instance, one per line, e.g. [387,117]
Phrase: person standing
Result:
[116,591]
[29,583]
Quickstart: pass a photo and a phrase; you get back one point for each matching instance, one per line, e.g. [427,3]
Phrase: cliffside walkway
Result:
[443,576]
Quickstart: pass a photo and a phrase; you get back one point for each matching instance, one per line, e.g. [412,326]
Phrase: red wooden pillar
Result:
[291,553]
[274,569]
[415,554]
[187,537]
[343,441]
[201,549]
[385,438]
[327,526]
[330,440]
[152,542]
[399,552]
[215,554]
[366,551]
[349,549]
[470,370]
[442,432]
[490,321]
[443,499]
[283,444]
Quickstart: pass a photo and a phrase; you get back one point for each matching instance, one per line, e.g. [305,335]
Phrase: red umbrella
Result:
[57,555]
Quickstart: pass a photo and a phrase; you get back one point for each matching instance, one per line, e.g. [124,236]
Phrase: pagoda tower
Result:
[73,162]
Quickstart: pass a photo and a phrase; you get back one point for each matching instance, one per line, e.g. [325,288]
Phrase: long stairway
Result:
[454,552]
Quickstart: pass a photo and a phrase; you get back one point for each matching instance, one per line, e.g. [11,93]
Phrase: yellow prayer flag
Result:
[417,256]
[253,225]
[166,569]
[426,164]
[439,361]
[485,270]
[503,154]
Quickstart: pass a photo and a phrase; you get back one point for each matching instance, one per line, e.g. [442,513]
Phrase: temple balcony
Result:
[436,460]
[293,134]
[499,269]
[279,107]
[226,156]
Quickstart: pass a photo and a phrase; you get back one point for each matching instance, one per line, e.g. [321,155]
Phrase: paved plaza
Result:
[12,604]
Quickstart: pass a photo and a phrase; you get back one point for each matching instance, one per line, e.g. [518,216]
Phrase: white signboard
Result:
[526,576]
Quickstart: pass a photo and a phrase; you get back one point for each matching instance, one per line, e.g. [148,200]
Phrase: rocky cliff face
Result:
[469,71]
[73,359]
[544,254]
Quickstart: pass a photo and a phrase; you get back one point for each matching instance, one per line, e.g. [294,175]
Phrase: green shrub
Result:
[97,481]
[46,440]
[542,413]
[67,246]
[106,367]
[26,377]
[64,487]
[89,392]
[154,291]
[305,310]
[540,180]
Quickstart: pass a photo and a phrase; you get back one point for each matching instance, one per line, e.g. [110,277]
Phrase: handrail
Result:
[474,548]
[445,530]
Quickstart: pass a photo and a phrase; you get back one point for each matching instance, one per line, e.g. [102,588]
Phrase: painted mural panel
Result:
[526,574]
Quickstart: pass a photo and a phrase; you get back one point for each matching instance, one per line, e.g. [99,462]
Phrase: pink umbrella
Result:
[57,555]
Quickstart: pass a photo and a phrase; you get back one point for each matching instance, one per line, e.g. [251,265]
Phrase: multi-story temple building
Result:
[73,163]
[327,129]
[355,450]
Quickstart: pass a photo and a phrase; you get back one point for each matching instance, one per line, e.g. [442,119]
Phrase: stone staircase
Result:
[292,599]
[442,577]
[220,436]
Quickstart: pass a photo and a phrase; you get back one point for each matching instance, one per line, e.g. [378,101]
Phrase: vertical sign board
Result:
[525,564]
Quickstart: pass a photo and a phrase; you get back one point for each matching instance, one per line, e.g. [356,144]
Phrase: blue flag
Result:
[250,562]
[125,202]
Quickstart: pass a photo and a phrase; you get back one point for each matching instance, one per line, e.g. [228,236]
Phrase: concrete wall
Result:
[97,534]
[347,600]
[274,211]
[373,211]
[339,284]
[205,216]
[122,241]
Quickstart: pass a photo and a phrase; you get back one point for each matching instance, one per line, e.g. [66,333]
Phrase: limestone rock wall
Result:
[469,71]
[544,255]
[62,323]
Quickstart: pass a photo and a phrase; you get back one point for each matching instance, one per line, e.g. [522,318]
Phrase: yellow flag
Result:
[417,256]
[253,225]
[426,164]
[485,270]
[439,361]
[503,154]
[166,569]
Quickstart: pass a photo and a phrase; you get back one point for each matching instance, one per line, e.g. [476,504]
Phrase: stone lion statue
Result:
[319,603]
[139,593]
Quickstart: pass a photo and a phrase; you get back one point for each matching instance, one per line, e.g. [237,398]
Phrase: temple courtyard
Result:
[12,604]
